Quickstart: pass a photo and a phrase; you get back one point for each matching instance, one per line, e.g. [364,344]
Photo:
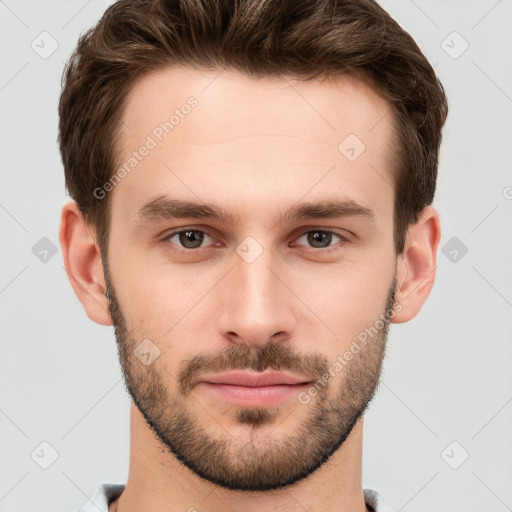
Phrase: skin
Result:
[256,147]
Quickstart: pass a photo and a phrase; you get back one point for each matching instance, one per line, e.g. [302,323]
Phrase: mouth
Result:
[252,389]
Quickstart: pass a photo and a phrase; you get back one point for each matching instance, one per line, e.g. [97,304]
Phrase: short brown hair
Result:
[299,38]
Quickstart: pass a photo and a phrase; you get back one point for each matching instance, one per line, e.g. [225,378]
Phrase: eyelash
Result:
[166,239]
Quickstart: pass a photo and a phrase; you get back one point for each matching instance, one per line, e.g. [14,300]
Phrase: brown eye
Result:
[321,239]
[191,239]
[187,238]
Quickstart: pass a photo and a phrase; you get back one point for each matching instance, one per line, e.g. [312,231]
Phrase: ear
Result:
[416,266]
[82,261]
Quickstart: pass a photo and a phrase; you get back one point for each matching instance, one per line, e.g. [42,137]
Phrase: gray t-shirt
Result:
[106,493]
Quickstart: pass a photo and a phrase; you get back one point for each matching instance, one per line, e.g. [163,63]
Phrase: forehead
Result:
[325,107]
[226,129]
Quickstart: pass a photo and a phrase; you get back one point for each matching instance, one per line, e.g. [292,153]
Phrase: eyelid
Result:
[342,233]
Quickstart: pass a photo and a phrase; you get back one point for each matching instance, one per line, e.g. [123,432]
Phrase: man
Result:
[252,186]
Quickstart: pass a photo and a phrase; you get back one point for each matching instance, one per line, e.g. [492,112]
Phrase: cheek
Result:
[348,299]
[166,301]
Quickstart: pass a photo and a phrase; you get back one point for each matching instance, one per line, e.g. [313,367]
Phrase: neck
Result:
[158,482]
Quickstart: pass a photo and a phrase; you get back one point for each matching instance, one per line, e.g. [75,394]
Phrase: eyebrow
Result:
[165,208]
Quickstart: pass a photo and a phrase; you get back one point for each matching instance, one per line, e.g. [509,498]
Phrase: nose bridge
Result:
[259,288]
[257,304]
[257,282]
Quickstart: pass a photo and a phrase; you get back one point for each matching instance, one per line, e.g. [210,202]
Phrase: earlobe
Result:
[82,261]
[417,264]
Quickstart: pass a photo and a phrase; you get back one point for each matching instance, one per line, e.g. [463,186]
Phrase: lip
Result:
[253,379]
[249,389]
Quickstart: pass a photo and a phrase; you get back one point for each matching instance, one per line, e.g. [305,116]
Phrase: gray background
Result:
[447,376]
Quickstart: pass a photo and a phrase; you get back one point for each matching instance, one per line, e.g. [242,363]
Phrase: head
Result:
[250,194]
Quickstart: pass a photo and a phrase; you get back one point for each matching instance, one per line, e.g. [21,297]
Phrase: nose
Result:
[256,302]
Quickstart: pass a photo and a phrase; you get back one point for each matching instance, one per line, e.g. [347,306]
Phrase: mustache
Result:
[273,355]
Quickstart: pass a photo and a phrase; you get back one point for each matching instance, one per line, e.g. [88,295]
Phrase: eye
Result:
[321,238]
[190,239]
[187,239]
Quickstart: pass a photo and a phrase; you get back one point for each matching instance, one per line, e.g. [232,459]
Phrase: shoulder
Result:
[374,501]
[102,496]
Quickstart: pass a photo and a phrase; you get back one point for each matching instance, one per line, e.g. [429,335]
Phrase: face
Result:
[284,262]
